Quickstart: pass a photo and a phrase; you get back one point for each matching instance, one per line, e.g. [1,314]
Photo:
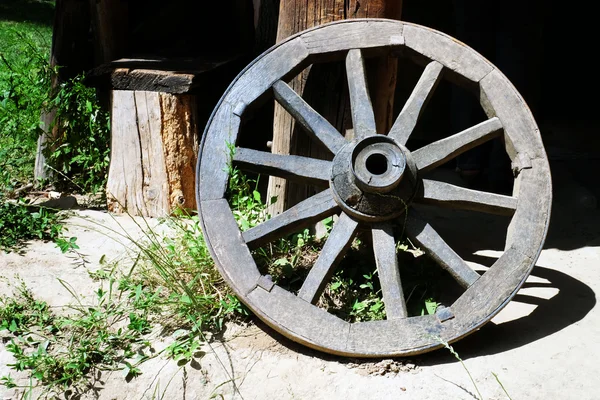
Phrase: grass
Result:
[24,88]
[169,289]
[478,396]
[78,150]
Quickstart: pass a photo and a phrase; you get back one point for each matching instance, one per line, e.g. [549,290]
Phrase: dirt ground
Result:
[543,345]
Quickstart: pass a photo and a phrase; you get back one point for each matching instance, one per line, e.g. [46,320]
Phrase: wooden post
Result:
[154,145]
[71,51]
[324,86]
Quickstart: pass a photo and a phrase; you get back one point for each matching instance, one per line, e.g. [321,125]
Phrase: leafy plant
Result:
[25,81]
[60,351]
[80,149]
[20,222]
[189,290]
[244,198]
[21,312]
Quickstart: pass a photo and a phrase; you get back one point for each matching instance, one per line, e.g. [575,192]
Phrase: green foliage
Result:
[190,291]
[61,351]
[244,198]
[21,312]
[25,81]
[20,222]
[355,294]
[80,152]
[79,149]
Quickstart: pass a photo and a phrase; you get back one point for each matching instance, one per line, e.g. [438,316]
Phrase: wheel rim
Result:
[295,316]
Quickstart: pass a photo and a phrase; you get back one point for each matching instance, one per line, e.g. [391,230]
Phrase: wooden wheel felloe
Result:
[372,184]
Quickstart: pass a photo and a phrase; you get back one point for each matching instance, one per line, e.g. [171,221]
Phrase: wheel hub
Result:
[374,179]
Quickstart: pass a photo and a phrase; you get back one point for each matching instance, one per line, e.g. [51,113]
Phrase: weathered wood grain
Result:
[295,316]
[529,225]
[151,80]
[364,34]
[438,249]
[211,170]
[125,168]
[333,251]
[447,51]
[180,142]
[167,76]
[137,178]
[297,16]
[493,290]
[397,336]
[307,324]
[443,150]
[363,119]
[294,219]
[500,99]
[224,239]
[153,150]
[446,195]
[384,247]
[314,124]
[416,103]
[302,169]
[257,79]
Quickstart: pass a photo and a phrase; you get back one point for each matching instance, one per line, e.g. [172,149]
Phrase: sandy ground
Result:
[544,345]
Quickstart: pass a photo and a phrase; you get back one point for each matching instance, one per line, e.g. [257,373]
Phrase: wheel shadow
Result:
[571,303]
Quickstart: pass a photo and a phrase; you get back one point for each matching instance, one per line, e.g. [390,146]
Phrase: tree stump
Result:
[153,152]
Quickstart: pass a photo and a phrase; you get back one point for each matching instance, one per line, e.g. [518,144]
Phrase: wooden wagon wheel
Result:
[372,183]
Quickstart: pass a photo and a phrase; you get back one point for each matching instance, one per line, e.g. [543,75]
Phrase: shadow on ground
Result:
[571,304]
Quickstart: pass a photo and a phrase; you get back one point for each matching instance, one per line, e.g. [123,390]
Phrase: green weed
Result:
[60,352]
[20,222]
[194,300]
[79,146]
[25,81]
[80,150]
[459,359]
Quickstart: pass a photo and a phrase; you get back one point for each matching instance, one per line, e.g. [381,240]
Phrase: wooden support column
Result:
[324,86]
[154,146]
[71,51]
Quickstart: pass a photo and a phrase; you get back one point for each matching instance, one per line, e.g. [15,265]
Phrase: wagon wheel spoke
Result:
[439,152]
[315,125]
[296,218]
[446,195]
[384,247]
[301,169]
[439,250]
[333,251]
[363,118]
[375,183]
[416,103]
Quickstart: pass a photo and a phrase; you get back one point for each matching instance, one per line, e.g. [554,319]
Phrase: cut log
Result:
[154,147]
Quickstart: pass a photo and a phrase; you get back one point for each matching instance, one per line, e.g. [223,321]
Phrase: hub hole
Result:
[377,164]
